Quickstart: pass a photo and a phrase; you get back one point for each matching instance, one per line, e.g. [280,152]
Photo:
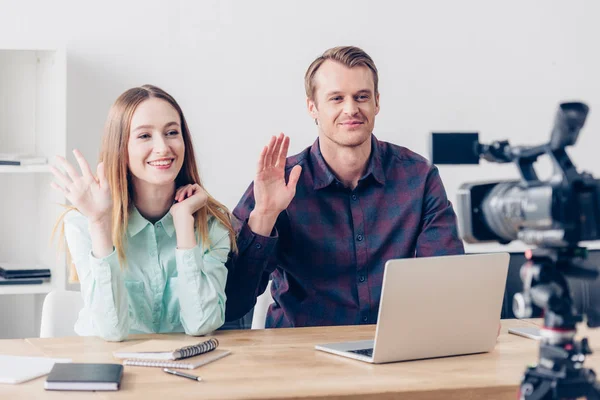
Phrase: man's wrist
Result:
[262,223]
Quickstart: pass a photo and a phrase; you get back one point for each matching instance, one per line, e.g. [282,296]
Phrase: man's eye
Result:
[336,98]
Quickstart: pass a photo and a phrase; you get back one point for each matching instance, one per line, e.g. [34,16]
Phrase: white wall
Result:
[237,68]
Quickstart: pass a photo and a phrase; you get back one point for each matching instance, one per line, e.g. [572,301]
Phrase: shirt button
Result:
[361,278]
[365,318]
[354,197]
[258,245]
[359,238]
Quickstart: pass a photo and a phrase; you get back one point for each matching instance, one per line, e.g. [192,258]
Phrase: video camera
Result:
[561,211]
[553,215]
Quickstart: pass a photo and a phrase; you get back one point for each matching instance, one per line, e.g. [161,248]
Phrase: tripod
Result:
[560,373]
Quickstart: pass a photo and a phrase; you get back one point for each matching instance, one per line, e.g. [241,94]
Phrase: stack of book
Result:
[23,276]
[17,159]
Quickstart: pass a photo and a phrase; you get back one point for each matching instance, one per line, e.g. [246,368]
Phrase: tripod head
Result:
[544,284]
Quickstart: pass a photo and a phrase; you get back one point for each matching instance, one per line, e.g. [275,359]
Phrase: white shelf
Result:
[24,169]
[34,78]
[26,289]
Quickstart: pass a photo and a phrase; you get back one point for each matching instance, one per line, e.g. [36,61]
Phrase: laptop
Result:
[434,307]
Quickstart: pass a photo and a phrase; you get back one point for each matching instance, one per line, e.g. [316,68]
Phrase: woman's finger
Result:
[83,165]
[101,175]
[61,189]
[62,178]
[181,195]
[179,191]
[73,174]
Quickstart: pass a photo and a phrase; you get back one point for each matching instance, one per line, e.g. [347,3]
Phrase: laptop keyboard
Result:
[363,352]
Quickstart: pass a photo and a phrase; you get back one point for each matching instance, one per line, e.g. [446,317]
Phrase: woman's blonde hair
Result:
[115,157]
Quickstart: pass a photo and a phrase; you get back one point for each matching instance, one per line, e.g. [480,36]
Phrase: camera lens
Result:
[510,207]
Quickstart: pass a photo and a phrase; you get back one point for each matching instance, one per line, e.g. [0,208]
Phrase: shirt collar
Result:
[137,223]
[323,176]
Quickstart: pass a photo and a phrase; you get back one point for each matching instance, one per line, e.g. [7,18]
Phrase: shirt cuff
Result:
[103,268]
[103,271]
[256,246]
[189,261]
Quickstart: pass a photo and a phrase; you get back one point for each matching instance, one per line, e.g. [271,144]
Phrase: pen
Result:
[182,374]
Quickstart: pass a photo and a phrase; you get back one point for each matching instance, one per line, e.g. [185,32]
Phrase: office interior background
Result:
[237,70]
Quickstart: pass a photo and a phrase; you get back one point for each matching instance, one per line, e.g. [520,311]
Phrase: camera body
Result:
[558,212]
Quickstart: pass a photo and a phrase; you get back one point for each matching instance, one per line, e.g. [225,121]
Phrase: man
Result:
[351,202]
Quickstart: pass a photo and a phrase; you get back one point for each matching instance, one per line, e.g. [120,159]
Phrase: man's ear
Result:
[377,104]
[312,109]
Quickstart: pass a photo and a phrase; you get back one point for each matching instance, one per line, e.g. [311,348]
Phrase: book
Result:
[17,369]
[165,350]
[35,281]
[21,159]
[188,363]
[24,273]
[75,376]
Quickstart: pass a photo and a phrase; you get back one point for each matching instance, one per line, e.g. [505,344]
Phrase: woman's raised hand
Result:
[88,193]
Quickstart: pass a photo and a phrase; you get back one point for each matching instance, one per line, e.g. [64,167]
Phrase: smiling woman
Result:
[143,220]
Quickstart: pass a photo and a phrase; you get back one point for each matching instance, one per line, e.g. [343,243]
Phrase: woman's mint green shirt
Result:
[162,289]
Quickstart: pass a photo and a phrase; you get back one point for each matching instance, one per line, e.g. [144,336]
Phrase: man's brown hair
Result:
[349,56]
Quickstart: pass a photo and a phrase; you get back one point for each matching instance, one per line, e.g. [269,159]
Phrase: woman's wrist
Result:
[101,235]
[102,221]
[184,230]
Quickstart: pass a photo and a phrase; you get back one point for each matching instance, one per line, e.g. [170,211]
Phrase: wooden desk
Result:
[282,363]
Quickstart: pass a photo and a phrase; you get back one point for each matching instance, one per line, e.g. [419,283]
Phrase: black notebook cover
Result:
[73,376]
[4,281]
[24,273]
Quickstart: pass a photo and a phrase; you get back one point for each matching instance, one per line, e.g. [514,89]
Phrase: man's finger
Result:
[277,149]
[283,152]
[261,160]
[293,179]
[269,156]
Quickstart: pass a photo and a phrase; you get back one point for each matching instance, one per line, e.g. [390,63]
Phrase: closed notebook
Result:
[73,376]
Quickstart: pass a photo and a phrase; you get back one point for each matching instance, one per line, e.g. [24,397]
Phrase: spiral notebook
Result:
[168,353]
